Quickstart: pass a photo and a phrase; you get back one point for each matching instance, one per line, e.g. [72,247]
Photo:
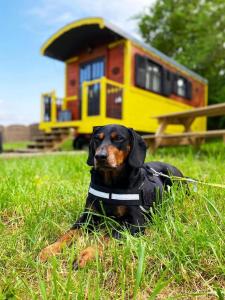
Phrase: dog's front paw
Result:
[49,251]
[84,257]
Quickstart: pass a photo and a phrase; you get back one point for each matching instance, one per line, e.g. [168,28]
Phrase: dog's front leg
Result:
[65,240]
[136,222]
[55,248]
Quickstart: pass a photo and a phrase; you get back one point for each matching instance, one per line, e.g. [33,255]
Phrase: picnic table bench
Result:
[186,118]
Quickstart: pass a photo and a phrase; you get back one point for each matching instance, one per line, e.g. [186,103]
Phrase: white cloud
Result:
[57,13]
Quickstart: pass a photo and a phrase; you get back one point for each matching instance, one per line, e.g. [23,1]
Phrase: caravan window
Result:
[148,74]
[153,77]
[182,87]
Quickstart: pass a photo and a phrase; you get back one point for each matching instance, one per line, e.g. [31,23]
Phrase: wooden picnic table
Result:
[186,119]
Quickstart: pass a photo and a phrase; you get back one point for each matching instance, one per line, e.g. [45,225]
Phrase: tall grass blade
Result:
[140,267]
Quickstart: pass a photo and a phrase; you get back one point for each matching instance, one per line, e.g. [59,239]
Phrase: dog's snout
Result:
[101,155]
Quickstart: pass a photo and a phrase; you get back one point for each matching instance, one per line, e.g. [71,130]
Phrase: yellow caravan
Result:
[110,77]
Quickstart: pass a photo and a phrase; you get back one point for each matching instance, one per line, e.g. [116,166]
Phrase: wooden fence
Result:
[19,133]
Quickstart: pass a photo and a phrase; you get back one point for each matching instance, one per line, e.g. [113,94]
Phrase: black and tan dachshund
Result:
[122,187]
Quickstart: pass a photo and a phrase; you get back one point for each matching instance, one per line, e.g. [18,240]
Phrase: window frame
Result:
[148,61]
[141,63]
[90,63]
[187,85]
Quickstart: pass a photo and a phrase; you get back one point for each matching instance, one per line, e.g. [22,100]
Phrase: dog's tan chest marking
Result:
[121,210]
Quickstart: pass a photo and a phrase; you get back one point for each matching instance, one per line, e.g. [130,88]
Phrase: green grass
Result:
[66,146]
[182,255]
[15,145]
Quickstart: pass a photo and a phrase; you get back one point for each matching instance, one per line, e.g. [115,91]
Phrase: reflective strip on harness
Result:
[114,196]
[98,193]
[125,196]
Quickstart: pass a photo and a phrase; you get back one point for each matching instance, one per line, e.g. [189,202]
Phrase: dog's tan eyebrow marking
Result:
[114,135]
[101,135]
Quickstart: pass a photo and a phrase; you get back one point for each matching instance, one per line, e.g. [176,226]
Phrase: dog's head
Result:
[112,146]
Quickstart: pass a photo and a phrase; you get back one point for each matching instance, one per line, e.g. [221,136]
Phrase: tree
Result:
[193,33]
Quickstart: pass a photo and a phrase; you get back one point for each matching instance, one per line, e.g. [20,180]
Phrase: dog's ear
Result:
[138,150]
[91,154]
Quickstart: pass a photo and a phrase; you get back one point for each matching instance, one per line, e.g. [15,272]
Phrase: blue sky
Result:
[24,26]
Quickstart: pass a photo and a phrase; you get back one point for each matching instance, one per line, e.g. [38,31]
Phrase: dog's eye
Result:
[118,138]
[98,138]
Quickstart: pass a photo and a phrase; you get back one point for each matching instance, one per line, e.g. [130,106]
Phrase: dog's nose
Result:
[101,156]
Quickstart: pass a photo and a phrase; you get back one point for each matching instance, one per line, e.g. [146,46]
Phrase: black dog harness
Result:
[132,196]
[118,196]
[142,195]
